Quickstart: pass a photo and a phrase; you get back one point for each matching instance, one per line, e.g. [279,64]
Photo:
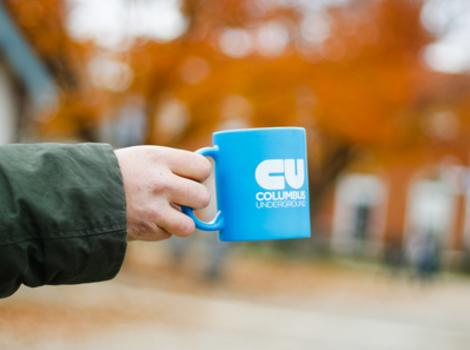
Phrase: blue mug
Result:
[261,180]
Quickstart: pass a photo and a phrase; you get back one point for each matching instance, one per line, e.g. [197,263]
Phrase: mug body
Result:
[262,183]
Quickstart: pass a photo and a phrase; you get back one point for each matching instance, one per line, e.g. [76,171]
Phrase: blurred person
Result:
[67,211]
[424,256]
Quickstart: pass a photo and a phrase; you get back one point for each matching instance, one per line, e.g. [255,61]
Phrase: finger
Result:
[176,223]
[187,192]
[189,164]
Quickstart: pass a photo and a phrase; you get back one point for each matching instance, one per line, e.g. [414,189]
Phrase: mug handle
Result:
[217,223]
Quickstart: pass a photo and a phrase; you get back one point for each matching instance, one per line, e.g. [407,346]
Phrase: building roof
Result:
[25,64]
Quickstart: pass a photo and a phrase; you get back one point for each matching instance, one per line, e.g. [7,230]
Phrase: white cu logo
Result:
[285,170]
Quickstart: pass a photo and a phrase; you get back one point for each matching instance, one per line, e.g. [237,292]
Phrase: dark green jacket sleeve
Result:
[62,215]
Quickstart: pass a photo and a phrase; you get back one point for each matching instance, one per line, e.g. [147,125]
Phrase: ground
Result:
[261,303]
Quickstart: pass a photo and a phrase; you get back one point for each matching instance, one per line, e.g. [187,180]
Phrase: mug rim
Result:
[247,130]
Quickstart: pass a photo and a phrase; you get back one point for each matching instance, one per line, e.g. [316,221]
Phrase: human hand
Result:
[157,181]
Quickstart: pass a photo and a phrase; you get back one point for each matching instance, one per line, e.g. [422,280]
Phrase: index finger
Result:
[189,164]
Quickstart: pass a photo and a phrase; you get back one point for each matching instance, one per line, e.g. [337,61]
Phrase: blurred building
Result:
[26,87]
[400,206]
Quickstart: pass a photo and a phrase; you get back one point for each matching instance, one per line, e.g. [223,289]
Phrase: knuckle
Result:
[162,155]
[165,152]
[170,154]
[205,166]
[184,227]
[160,184]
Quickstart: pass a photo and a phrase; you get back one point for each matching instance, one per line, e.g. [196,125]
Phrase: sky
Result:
[113,23]
[110,23]
[450,21]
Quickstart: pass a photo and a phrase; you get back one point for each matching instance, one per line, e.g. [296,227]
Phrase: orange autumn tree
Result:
[356,91]
[256,63]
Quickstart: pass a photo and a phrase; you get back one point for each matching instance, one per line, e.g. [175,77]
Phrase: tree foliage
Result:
[364,88]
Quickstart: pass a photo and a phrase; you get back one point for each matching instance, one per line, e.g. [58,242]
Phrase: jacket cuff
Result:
[117,238]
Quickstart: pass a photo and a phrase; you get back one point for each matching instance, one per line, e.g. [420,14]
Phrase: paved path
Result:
[84,317]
